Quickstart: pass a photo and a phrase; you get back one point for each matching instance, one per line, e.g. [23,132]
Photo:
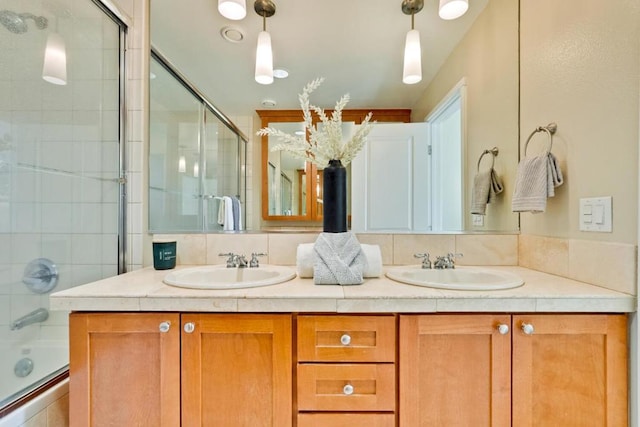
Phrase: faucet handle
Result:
[254,263]
[451,257]
[231,261]
[426,262]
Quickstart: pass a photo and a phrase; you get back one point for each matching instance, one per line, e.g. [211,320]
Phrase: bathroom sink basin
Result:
[221,277]
[460,278]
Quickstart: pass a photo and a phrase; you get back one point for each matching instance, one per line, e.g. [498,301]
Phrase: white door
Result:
[390,184]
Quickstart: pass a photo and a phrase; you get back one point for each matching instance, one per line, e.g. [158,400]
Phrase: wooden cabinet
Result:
[569,370]
[126,370]
[346,372]
[497,370]
[236,370]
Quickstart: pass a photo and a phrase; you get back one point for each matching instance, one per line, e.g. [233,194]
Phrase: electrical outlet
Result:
[478,220]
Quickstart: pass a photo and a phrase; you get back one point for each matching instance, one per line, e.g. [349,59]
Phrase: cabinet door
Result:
[236,370]
[125,369]
[455,370]
[569,370]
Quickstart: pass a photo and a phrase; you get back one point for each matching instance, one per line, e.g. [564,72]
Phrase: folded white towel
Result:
[305,258]
[339,259]
[536,180]
[486,186]
[220,211]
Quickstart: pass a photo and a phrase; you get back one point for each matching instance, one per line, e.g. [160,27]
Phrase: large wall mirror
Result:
[481,49]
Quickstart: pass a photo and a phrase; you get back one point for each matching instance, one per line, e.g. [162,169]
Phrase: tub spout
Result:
[36,316]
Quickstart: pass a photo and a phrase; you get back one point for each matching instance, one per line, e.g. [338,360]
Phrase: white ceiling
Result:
[357,45]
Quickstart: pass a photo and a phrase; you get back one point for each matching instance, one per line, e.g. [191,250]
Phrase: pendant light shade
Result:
[55,60]
[182,164]
[264,59]
[264,54]
[412,58]
[232,9]
[452,9]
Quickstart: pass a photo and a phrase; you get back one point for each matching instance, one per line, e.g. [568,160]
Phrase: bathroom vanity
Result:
[551,352]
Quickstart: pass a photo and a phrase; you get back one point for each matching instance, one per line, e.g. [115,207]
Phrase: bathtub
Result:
[48,357]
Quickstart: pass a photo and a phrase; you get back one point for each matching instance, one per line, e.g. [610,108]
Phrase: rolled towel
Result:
[536,180]
[305,258]
[339,259]
[228,214]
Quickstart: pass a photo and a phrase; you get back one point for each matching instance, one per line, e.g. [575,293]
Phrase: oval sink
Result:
[460,278]
[221,277]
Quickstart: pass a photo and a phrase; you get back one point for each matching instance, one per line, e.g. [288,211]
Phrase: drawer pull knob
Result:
[345,339]
[503,329]
[189,327]
[527,328]
[165,326]
[348,389]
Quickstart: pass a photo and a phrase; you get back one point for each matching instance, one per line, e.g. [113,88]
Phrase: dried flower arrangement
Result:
[324,144]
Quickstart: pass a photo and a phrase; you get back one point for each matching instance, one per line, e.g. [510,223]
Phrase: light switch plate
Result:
[596,214]
[478,220]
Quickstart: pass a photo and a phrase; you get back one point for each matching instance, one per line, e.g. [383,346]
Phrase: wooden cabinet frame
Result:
[279,116]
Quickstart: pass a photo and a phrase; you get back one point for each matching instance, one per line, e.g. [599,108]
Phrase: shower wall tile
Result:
[87,218]
[25,186]
[5,307]
[91,65]
[25,217]
[24,247]
[86,125]
[59,155]
[81,274]
[86,249]
[56,97]
[57,217]
[57,247]
[109,249]
[56,188]
[56,125]
[25,96]
[111,95]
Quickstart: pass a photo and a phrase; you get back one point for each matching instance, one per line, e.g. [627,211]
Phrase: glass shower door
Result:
[59,174]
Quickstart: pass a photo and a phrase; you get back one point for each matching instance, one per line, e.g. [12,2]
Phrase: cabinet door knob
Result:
[189,327]
[165,326]
[347,389]
[503,329]
[345,339]
[527,328]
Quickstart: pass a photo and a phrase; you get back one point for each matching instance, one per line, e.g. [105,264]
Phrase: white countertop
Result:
[143,290]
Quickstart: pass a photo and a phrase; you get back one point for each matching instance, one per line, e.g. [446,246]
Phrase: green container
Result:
[164,255]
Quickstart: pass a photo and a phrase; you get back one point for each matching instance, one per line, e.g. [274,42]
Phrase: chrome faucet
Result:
[254,263]
[447,261]
[426,262]
[235,260]
[36,316]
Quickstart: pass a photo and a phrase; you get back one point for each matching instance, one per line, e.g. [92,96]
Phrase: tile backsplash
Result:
[610,265]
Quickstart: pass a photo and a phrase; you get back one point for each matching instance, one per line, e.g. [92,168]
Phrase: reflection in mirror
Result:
[196,160]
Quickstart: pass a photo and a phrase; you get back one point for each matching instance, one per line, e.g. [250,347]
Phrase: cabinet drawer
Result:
[346,420]
[346,387]
[346,338]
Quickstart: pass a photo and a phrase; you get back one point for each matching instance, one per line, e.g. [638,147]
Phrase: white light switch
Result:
[595,214]
[478,220]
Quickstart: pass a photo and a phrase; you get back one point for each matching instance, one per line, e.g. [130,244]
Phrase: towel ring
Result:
[494,152]
[550,129]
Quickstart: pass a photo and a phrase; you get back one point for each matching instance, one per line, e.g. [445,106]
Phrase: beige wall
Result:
[580,68]
[487,58]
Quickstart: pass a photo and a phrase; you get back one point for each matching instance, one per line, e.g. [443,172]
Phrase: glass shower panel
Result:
[222,159]
[59,174]
[175,165]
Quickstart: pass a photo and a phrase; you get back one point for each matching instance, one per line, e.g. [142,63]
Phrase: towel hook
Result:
[494,152]
[550,129]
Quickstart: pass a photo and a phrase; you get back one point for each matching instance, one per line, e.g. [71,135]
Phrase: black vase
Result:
[334,195]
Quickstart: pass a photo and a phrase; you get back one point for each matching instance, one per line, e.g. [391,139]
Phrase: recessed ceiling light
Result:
[269,103]
[299,132]
[232,34]
[280,73]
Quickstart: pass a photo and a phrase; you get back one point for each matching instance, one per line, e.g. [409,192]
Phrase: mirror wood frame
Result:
[280,116]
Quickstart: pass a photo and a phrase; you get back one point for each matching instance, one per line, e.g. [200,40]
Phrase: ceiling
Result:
[356,45]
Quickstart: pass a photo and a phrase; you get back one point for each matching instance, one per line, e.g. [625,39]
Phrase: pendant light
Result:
[54,69]
[412,72]
[232,9]
[264,54]
[182,164]
[452,9]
